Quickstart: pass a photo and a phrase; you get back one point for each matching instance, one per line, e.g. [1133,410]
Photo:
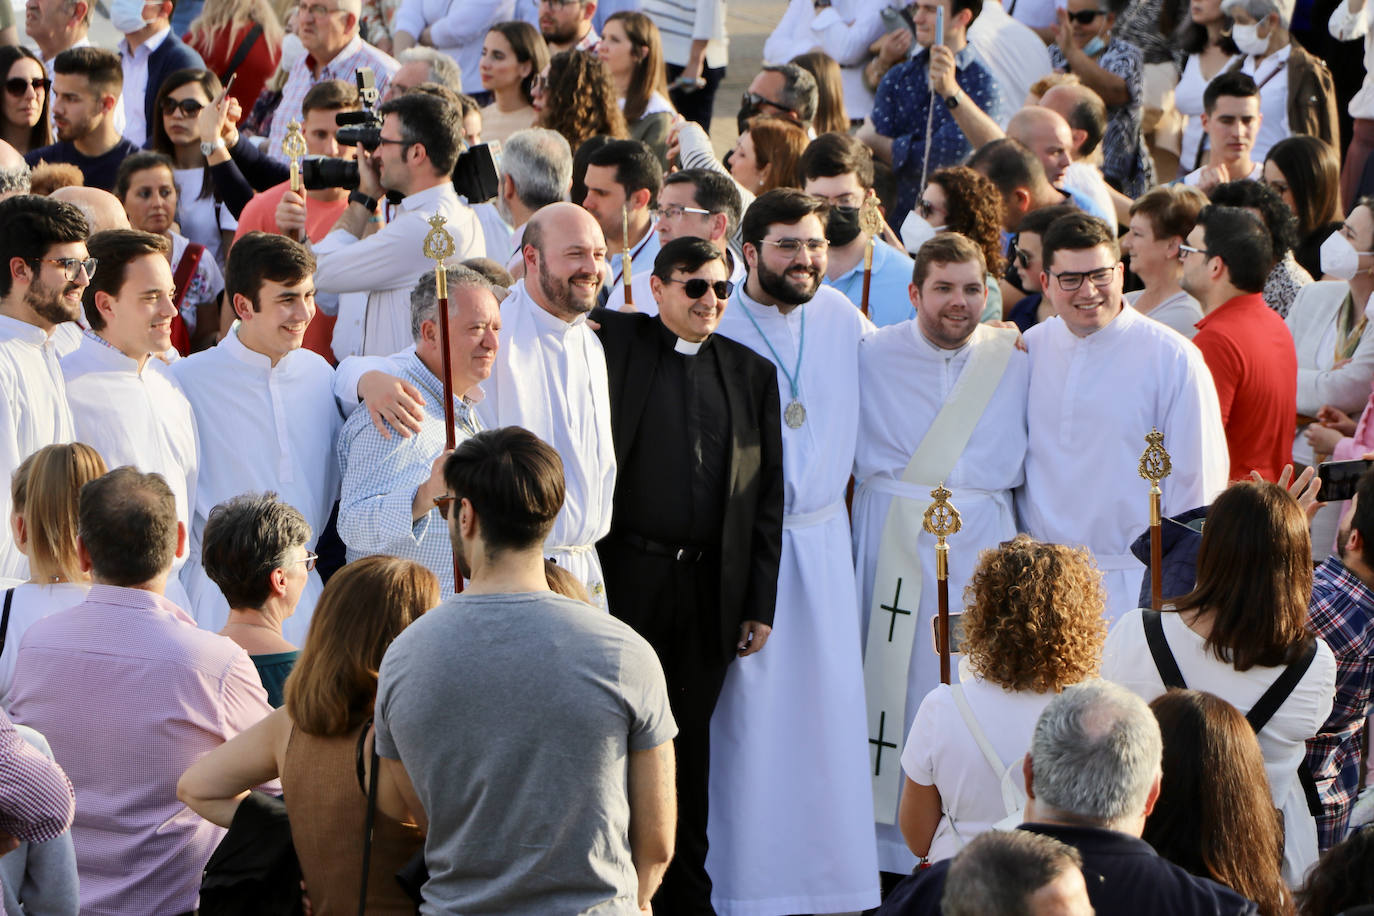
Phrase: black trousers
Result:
[675,607]
[699,105]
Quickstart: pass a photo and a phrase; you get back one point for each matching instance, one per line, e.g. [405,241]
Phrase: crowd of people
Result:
[423,490]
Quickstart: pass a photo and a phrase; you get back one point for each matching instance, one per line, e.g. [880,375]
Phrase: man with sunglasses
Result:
[1246,344]
[46,268]
[392,486]
[1101,378]
[782,90]
[85,91]
[696,527]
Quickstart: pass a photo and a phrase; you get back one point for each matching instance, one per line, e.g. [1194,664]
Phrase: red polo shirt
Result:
[1250,352]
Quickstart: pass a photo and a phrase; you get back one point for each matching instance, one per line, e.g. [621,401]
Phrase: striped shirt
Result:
[682,21]
[356,54]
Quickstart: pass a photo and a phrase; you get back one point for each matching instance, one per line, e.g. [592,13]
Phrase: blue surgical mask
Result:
[127,15]
[1095,46]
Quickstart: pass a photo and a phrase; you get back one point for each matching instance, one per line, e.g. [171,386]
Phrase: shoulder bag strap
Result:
[1160,651]
[1010,801]
[371,814]
[5,618]
[1268,704]
[241,52]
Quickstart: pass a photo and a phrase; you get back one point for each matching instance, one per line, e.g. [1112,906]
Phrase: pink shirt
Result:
[1349,448]
[130,692]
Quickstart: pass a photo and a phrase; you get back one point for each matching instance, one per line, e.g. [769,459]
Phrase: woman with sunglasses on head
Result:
[25,124]
[513,56]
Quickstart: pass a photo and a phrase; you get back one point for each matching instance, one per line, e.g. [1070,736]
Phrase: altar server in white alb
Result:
[791,824]
[265,412]
[943,402]
[46,268]
[124,400]
[1102,377]
[550,378]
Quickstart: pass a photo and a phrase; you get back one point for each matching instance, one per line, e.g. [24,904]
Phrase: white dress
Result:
[791,819]
[1126,660]
[904,381]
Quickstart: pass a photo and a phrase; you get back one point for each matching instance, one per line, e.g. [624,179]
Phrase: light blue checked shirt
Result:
[380,477]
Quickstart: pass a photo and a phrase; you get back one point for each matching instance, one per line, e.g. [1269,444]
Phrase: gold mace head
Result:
[871,217]
[1154,462]
[941,518]
[293,144]
[438,244]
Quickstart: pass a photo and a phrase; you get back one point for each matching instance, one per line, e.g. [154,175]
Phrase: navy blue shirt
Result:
[99,171]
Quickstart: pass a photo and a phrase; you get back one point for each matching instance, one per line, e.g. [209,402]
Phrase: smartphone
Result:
[1339,478]
[956,633]
[940,25]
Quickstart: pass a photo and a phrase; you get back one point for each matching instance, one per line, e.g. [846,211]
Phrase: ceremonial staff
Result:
[293,145]
[1154,467]
[871,222]
[942,520]
[625,259]
[438,244]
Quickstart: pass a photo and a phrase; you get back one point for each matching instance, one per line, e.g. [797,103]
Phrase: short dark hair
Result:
[1229,83]
[102,69]
[947,248]
[712,191]
[330,95]
[1009,165]
[686,254]
[780,205]
[30,225]
[1362,520]
[1039,220]
[141,161]
[998,871]
[1089,116]
[433,122]
[128,522]
[261,256]
[974,6]
[1276,215]
[245,539]
[1076,231]
[1240,240]
[837,154]
[636,166]
[114,249]
[514,481]
[799,90]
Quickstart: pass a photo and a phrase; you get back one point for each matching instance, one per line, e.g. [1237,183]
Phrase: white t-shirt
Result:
[201,219]
[32,603]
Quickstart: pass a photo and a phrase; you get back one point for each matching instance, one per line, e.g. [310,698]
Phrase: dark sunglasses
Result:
[753,100]
[189,107]
[17,85]
[1022,257]
[696,287]
[1086,17]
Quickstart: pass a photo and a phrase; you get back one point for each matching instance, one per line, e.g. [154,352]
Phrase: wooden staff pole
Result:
[942,519]
[1154,467]
[629,305]
[438,245]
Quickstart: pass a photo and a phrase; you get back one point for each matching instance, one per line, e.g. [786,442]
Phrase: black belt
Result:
[682,554]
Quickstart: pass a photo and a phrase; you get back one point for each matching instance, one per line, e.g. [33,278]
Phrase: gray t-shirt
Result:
[514,716]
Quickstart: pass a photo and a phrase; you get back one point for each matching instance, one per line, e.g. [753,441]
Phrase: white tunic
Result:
[905,380]
[138,418]
[260,427]
[1092,402]
[791,819]
[33,413]
[550,378]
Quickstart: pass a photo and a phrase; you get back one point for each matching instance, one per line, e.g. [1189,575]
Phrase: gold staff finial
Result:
[438,245]
[942,520]
[871,217]
[293,146]
[1154,462]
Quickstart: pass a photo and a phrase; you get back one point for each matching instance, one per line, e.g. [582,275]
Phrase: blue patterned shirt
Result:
[1126,161]
[902,105]
[380,477]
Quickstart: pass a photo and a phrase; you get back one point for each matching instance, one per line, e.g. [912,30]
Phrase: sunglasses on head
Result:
[696,287]
[17,85]
[189,107]
[1086,17]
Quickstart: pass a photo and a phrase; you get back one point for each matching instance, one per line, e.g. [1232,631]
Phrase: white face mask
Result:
[916,231]
[127,15]
[1339,258]
[1247,39]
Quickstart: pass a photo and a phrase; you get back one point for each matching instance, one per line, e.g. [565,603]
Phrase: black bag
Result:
[253,871]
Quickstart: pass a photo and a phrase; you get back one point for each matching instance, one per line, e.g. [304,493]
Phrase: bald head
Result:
[565,254]
[1045,133]
[10,158]
[14,173]
[101,208]
[1084,111]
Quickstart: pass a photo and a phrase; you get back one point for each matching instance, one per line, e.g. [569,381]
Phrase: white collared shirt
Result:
[136,84]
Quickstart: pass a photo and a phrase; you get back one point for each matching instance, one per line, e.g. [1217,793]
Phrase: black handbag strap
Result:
[1268,704]
[241,52]
[371,813]
[5,618]
[1160,651]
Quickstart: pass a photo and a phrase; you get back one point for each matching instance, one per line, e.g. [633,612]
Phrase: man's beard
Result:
[559,293]
[561,35]
[777,285]
[50,305]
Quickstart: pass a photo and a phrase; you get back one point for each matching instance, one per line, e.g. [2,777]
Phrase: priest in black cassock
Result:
[691,561]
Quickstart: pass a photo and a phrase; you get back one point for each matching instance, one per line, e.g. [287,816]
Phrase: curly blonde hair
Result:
[1033,618]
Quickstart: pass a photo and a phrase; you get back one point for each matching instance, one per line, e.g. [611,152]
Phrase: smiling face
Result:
[276,325]
[138,321]
[151,202]
[791,279]
[950,302]
[474,330]
[52,297]
[567,266]
[180,126]
[1100,25]
[690,318]
[500,68]
[27,108]
[1090,307]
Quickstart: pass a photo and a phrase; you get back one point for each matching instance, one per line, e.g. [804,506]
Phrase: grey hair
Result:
[799,91]
[424,298]
[1095,753]
[15,180]
[540,163]
[442,68]
[1261,8]
[996,873]
[356,8]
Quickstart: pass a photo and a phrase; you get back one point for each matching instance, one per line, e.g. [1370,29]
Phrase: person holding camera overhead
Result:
[413,157]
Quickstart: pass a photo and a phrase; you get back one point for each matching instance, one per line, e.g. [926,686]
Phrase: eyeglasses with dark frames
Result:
[310,559]
[1070,281]
[17,85]
[1185,250]
[754,100]
[189,107]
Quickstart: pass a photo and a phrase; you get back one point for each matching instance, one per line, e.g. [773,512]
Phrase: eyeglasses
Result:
[793,247]
[310,559]
[402,142]
[1099,278]
[560,4]
[1185,250]
[442,503]
[696,287]
[754,100]
[17,86]
[673,211]
[1086,17]
[71,265]
[315,10]
[189,107]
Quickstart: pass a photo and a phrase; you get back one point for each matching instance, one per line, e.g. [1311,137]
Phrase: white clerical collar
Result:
[688,347]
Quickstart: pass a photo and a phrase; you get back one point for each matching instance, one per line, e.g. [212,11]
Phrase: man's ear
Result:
[104,304]
[1079,135]
[242,307]
[1153,796]
[164,10]
[1028,776]
[751,256]
[913,292]
[720,224]
[656,287]
[79,11]
[19,269]
[640,199]
[83,556]
[589,10]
